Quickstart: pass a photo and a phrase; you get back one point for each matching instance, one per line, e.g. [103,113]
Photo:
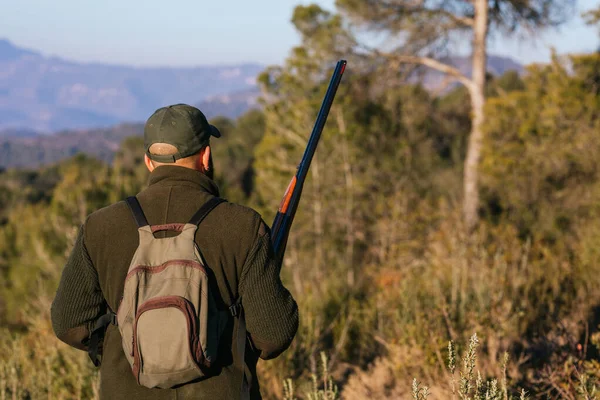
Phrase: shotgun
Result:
[280,229]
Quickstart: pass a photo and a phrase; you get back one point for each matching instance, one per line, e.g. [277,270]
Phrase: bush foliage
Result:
[381,265]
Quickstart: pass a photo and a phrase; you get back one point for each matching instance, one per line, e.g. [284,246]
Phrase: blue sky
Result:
[200,32]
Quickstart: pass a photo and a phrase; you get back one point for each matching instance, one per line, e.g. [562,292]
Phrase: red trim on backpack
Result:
[167,227]
[160,268]
[184,305]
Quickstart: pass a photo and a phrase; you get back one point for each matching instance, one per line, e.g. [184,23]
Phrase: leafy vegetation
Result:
[384,268]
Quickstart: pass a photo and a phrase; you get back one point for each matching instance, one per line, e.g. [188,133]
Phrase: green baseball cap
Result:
[180,125]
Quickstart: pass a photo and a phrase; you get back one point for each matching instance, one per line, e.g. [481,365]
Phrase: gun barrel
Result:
[285,215]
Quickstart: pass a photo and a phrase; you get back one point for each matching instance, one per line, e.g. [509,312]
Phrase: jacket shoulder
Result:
[107,218]
[241,211]
[240,216]
[117,209]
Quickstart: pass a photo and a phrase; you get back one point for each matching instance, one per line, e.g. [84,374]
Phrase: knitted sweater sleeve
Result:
[79,301]
[270,310]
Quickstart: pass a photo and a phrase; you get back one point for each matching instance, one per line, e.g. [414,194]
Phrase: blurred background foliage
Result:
[380,261]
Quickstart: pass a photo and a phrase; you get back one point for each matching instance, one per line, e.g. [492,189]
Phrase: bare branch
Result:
[433,64]
[458,19]
[398,59]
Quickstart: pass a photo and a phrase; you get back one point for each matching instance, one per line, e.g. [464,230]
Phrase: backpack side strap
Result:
[136,210]
[205,209]
[97,336]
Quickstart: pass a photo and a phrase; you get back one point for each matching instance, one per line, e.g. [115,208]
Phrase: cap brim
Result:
[214,131]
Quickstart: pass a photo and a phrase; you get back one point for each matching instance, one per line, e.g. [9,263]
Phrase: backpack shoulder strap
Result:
[136,210]
[205,209]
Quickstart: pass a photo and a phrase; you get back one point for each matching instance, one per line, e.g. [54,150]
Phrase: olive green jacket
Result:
[236,245]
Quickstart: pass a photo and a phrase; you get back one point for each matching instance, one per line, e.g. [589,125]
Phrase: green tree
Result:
[382,152]
[540,151]
[592,17]
[233,154]
[128,174]
[423,31]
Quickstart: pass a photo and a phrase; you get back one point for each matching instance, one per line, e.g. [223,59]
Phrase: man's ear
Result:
[148,163]
[205,158]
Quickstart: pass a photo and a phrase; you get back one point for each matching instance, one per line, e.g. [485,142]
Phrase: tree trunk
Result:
[349,199]
[477,92]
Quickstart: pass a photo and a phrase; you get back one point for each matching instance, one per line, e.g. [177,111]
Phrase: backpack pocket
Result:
[166,346]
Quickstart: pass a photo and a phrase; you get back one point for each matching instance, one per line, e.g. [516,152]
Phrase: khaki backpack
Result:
[168,318]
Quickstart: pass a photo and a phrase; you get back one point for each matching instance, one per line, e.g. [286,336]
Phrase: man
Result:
[233,240]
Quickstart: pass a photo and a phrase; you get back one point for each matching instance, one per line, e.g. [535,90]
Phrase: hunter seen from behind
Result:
[447,241]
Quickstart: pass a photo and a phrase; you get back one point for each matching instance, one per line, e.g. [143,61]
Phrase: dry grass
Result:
[35,365]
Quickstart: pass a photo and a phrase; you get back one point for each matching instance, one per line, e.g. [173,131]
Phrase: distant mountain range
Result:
[93,107]
[48,94]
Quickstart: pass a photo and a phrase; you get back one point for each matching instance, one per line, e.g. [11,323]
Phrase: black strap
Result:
[97,336]
[237,311]
[136,210]
[140,218]
[205,209]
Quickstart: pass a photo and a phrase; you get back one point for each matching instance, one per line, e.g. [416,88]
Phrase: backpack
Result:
[168,318]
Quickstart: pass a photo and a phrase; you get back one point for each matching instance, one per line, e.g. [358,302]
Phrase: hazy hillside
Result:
[90,106]
[18,133]
[230,105]
[40,150]
[49,94]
